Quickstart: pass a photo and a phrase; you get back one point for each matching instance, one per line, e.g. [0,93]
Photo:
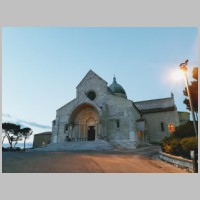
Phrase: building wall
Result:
[62,116]
[92,82]
[123,110]
[41,139]
[154,120]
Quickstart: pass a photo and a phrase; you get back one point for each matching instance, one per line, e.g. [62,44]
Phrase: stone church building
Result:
[102,112]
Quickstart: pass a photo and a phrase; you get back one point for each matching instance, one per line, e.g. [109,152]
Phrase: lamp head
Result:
[183,66]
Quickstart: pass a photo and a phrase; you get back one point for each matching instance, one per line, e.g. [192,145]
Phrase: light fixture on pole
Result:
[183,67]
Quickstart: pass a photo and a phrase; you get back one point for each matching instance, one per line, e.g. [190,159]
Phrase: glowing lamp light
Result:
[177,75]
[171,127]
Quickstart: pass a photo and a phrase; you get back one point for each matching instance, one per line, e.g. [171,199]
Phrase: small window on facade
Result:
[162,126]
[117,123]
[66,127]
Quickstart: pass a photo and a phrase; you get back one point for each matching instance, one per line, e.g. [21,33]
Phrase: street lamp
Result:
[183,67]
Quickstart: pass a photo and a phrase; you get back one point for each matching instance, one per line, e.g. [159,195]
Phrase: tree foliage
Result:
[193,87]
[11,132]
[185,130]
[26,133]
[14,133]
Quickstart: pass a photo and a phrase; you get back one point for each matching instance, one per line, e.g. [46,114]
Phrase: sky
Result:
[41,66]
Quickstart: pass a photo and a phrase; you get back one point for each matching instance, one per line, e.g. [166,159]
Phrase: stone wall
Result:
[154,130]
[177,161]
[41,139]
[91,82]
[123,111]
[62,116]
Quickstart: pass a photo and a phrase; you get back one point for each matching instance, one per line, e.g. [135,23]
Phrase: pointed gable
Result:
[91,83]
[91,75]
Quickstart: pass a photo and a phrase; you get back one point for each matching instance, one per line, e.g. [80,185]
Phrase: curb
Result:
[177,161]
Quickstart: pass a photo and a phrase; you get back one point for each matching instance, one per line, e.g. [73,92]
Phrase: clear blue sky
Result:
[41,67]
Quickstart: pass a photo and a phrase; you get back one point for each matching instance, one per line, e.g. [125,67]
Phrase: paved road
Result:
[130,161]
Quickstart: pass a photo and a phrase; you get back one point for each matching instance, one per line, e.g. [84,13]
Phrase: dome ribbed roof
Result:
[117,88]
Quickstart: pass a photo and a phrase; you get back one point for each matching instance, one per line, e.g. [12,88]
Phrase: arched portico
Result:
[84,123]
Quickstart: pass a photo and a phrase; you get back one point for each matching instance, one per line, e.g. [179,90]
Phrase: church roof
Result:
[43,133]
[156,105]
[117,88]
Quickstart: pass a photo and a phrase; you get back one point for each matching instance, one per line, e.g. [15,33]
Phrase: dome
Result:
[117,89]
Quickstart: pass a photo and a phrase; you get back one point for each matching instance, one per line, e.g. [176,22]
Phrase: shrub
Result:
[188,144]
[172,146]
[11,149]
[180,147]
[176,147]
[165,145]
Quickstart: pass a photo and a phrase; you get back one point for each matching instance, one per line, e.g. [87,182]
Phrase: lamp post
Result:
[183,67]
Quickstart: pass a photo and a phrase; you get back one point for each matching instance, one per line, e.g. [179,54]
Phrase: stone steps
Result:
[79,145]
[124,144]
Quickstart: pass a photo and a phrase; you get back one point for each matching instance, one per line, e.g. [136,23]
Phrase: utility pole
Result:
[183,67]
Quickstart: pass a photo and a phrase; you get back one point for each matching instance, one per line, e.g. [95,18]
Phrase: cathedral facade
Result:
[102,112]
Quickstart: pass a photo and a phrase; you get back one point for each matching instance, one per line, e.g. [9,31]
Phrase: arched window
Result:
[117,123]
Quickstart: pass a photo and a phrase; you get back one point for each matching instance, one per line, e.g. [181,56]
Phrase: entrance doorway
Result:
[84,123]
[91,133]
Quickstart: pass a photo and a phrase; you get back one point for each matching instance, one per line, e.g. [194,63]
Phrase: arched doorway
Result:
[91,129]
[84,123]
